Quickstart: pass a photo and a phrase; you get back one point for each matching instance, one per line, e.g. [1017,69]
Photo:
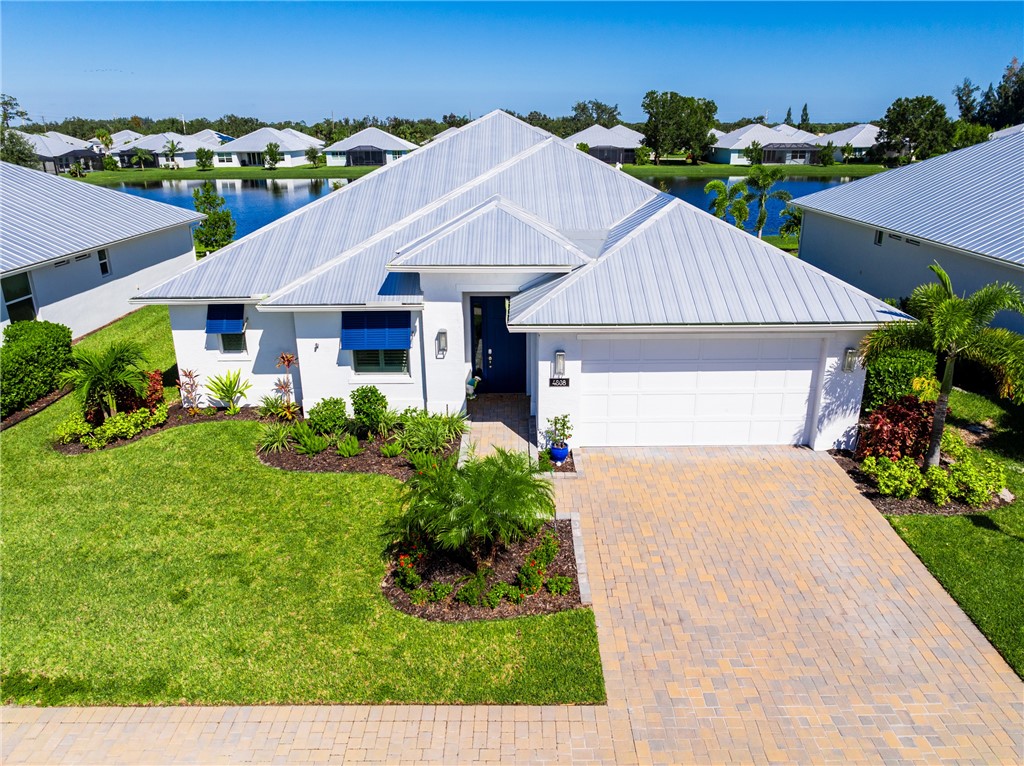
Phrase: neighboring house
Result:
[57,155]
[503,252]
[729,148]
[788,153]
[74,253]
[370,146]
[610,145]
[249,150]
[210,136]
[964,210]
[445,133]
[795,135]
[156,145]
[717,133]
[863,138]
[118,139]
[1005,132]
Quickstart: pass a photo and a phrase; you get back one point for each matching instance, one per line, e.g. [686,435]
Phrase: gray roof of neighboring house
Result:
[598,135]
[46,217]
[211,136]
[119,138]
[741,138]
[622,130]
[375,137]
[75,142]
[862,136]
[684,266]
[794,133]
[157,142]
[500,192]
[717,133]
[257,141]
[1011,131]
[939,200]
[47,146]
[445,133]
[298,134]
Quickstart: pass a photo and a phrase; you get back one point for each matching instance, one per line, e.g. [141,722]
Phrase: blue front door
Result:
[499,357]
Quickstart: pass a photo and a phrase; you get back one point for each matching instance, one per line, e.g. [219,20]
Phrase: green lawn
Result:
[109,177]
[979,558]
[725,171]
[789,244]
[180,569]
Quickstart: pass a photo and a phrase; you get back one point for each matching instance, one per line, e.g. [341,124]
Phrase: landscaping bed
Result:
[37,406]
[369,461]
[504,569]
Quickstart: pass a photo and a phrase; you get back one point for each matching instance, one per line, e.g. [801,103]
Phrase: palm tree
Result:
[141,157]
[729,200]
[171,149]
[792,218]
[760,182]
[101,377]
[956,328]
[848,152]
[105,140]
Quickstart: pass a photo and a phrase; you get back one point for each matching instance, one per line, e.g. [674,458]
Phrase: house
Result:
[790,153]
[728,150]
[881,233]
[611,145]
[370,146]
[156,145]
[74,253]
[57,155]
[118,139]
[863,138]
[1011,131]
[503,252]
[210,136]
[249,150]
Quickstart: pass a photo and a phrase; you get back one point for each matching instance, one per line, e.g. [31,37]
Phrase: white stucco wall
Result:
[894,268]
[267,335]
[728,157]
[77,295]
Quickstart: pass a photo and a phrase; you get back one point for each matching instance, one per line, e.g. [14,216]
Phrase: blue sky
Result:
[302,60]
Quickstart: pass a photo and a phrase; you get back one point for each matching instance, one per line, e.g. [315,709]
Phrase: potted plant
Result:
[558,434]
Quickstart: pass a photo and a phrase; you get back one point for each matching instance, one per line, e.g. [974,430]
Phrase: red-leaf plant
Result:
[284,385]
[188,385]
[901,428]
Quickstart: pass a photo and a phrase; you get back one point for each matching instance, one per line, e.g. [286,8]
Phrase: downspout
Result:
[423,358]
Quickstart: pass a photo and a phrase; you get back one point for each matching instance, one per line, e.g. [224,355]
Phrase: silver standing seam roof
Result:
[941,200]
[44,217]
[47,146]
[862,136]
[289,141]
[375,137]
[598,135]
[501,193]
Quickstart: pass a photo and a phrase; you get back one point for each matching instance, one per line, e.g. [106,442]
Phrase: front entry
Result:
[499,357]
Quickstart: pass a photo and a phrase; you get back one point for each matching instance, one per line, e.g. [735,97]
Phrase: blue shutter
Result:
[374,330]
[225,319]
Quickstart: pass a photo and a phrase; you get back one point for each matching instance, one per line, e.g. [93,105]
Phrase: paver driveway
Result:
[751,608]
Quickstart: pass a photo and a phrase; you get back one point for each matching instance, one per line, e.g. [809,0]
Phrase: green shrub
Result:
[494,596]
[424,433]
[270,406]
[159,415]
[544,554]
[472,592]
[892,375]
[369,406]
[308,441]
[514,594]
[124,425]
[953,445]
[109,163]
[559,585]
[977,483]
[32,358]
[389,420]
[274,437]
[329,417]
[391,449]
[530,577]
[94,441]
[439,591]
[941,485]
[229,387]
[349,446]
[72,429]
[419,597]
[901,479]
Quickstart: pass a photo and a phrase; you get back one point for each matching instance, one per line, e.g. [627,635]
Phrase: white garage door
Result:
[676,391]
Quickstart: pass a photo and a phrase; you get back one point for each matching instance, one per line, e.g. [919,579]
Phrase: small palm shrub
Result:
[308,441]
[274,437]
[329,416]
[391,449]
[270,406]
[348,446]
[228,388]
[500,499]
[368,407]
[424,433]
[107,379]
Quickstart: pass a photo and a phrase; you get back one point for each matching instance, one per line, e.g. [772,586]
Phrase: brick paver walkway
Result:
[751,607]
[500,420]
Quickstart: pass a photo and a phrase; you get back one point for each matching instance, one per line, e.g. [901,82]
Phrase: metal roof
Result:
[157,143]
[289,141]
[75,142]
[793,132]
[598,135]
[119,138]
[941,200]
[445,133]
[862,136]
[1011,131]
[622,130]
[374,137]
[212,137]
[45,217]
[494,233]
[743,137]
[45,146]
[683,266]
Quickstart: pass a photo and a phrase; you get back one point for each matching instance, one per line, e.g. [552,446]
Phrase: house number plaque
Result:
[558,382]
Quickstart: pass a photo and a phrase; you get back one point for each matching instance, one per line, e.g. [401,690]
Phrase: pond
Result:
[253,202]
[257,202]
[692,190]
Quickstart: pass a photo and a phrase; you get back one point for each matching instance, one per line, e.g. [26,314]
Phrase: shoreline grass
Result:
[111,177]
[729,171]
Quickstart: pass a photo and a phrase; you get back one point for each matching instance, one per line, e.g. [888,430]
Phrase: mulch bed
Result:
[176,417]
[437,568]
[892,506]
[370,461]
[569,466]
[37,406]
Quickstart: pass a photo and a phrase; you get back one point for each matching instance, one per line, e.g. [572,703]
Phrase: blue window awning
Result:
[225,319]
[372,330]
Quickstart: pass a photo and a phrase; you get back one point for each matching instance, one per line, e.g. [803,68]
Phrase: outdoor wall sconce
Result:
[442,343]
[559,364]
[849,360]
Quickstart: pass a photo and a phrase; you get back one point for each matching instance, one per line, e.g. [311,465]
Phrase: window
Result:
[227,320]
[17,290]
[223,157]
[104,260]
[233,343]
[381,360]
[878,237]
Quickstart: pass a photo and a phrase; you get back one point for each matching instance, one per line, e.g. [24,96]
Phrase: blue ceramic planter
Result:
[559,454]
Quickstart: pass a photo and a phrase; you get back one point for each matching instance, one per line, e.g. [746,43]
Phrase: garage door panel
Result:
[669,391]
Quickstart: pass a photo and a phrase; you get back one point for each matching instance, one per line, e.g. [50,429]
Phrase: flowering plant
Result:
[559,430]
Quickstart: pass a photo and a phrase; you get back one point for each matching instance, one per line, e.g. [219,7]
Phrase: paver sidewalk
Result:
[751,608]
